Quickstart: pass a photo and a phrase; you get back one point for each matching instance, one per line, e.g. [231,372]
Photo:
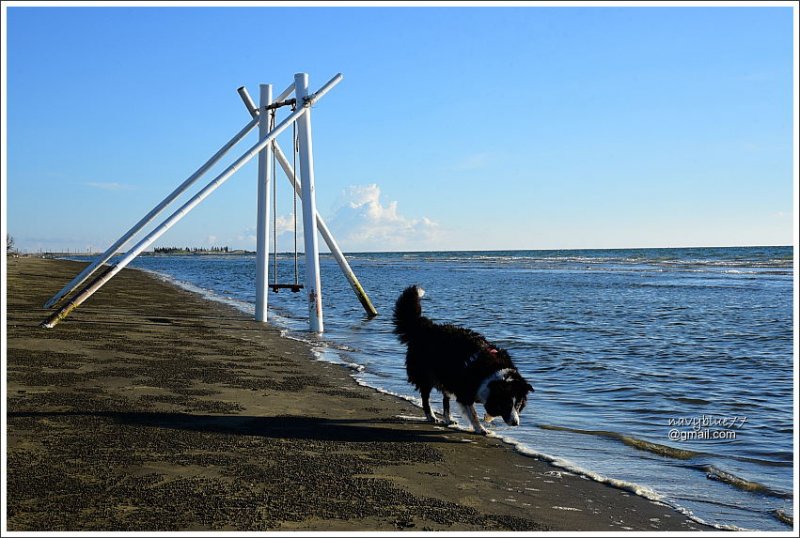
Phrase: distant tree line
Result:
[178,250]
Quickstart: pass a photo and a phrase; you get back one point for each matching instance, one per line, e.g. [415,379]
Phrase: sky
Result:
[455,128]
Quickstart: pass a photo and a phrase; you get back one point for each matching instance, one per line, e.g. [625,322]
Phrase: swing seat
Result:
[294,287]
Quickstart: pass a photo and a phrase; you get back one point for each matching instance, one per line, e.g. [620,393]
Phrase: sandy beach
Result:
[151,409]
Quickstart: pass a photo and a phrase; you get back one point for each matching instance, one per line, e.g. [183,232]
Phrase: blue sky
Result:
[465,128]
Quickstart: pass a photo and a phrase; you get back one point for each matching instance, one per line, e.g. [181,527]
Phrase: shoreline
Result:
[152,392]
[330,352]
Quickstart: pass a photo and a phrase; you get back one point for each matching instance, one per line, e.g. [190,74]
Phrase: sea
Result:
[667,373]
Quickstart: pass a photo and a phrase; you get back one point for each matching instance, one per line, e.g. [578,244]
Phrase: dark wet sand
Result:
[151,409]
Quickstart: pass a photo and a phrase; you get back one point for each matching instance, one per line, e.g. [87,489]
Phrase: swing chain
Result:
[274,211]
[296,287]
[295,151]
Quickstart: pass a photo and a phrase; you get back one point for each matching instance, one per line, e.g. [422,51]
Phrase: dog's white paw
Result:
[480,430]
[447,421]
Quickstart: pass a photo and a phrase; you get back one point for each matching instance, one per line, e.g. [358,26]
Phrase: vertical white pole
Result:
[262,225]
[313,286]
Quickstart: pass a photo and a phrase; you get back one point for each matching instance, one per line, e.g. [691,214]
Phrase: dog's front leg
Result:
[472,415]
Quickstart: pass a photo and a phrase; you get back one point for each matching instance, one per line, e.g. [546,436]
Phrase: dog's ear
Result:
[529,388]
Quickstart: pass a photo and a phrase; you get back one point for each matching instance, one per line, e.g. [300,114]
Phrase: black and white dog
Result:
[459,363]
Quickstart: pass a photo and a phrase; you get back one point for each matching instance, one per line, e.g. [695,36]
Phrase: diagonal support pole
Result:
[84,275]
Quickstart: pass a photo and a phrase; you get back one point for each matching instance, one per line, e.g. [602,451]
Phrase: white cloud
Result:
[362,222]
[285,223]
[109,186]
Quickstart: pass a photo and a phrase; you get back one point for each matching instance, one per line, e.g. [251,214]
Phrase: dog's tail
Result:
[408,313]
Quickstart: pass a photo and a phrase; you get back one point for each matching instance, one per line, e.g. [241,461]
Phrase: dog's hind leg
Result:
[446,409]
[426,405]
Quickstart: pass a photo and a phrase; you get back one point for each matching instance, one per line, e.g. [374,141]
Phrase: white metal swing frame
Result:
[264,148]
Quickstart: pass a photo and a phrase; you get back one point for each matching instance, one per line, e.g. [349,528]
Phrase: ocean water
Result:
[667,372]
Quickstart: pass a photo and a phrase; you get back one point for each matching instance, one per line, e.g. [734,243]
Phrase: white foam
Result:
[243,306]
[636,489]
[412,418]
[567,465]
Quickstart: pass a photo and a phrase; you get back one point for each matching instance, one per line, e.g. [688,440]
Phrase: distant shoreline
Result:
[240,252]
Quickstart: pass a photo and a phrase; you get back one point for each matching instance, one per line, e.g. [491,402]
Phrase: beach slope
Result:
[151,409]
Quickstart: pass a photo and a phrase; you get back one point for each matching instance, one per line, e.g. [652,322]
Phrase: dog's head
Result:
[506,395]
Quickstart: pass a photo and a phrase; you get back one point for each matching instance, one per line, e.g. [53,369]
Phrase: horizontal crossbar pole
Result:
[280,104]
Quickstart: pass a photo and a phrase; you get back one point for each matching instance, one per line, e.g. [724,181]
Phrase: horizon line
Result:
[246,251]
